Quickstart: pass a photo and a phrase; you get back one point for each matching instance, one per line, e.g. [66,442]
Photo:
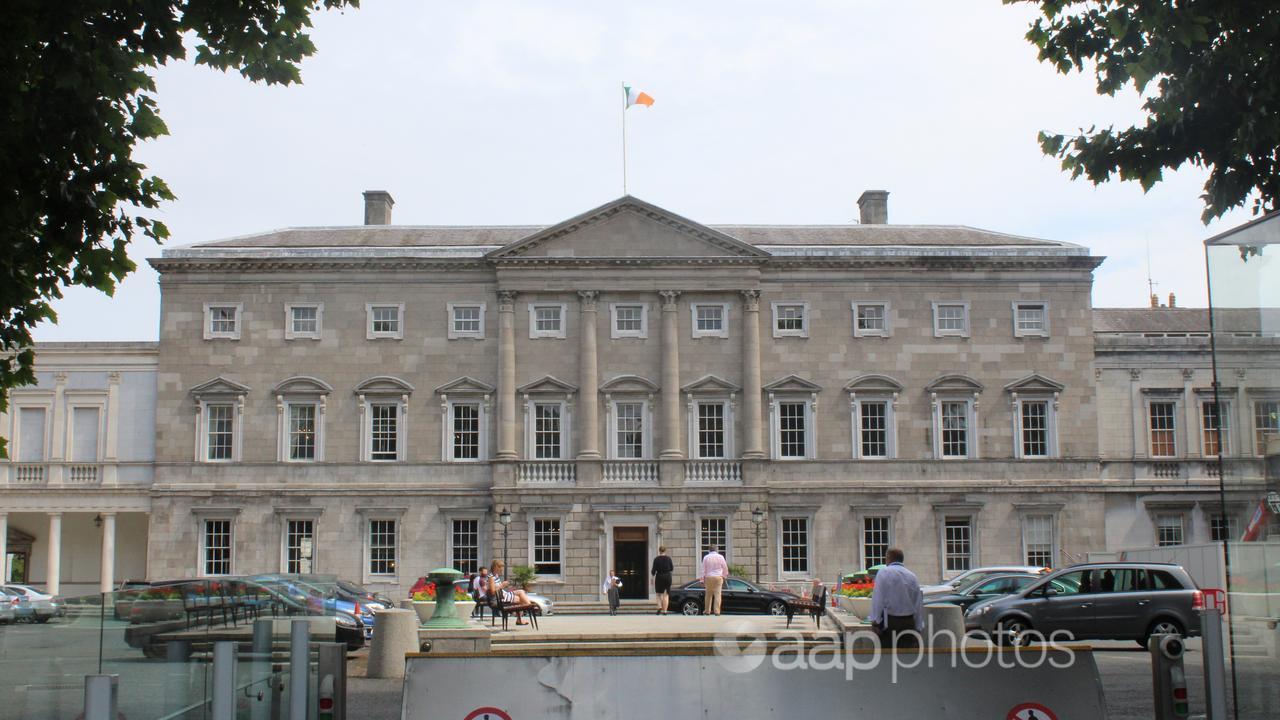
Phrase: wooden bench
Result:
[504,610]
[817,607]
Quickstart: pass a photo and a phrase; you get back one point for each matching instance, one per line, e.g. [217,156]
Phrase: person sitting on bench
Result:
[507,595]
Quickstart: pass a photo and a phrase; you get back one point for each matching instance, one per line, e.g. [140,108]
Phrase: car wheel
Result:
[777,607]
[42,620]
[691,607]
[1013,632]
[1162,626]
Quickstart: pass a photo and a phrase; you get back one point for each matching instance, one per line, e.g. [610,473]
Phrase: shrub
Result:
[524,576]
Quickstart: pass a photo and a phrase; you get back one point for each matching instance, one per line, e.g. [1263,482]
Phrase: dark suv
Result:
[1100,601]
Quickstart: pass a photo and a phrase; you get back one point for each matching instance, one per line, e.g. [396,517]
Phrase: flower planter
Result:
[426,608]
[148,611]
[859,606]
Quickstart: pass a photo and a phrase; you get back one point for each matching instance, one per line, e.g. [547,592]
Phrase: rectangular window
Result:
[1037,540]
[870,319]
[955,429]
[466,546]
[384,431]
[84,434]
[873,421]
[466,321]
[713,533]
[792,429]
[546,431]
[224,321]
[1035,428]
[957,543]
[1223,527]
[1169,530]
[466,431]
[629,321]
[629,425]
[546,321]
[31,427]
[299,540]
[217,547]
[302,431]
[1215,428]
[1163,424]
[875,539]
[386,321]
[546,546]
[220,431]
[1030,319]
[710,320]
[711,430]
[382,547]
[304,320]
[795,544]
[1266,423]
[790,319]
[950,319]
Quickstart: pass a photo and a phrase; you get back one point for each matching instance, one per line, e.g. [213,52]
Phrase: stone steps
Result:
[597,608]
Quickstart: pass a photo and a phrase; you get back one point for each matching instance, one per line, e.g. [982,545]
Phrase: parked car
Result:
[355,592]
[9,607]
[985,588]
[1095,601]
[738,596]
[970,575]
[44,607]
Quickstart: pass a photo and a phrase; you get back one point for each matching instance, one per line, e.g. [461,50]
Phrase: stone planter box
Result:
[860,607]
[148,611]
[427,608]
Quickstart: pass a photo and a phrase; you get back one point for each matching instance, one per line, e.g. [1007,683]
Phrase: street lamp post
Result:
[504,517]
[757,517]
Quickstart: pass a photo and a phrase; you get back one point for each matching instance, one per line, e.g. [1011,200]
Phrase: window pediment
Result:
[219,387]
[710,384]
[1034,383]
[623,384]
[302,385]
[792,383]
[383,384]
[954,384]
[547,384]
[465,385]
[882,384]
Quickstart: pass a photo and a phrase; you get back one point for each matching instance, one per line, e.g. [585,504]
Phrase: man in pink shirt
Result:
[714,571]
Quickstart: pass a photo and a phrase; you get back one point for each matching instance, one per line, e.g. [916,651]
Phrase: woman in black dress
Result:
[661,572]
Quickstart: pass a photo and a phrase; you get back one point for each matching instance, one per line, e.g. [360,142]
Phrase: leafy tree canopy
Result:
[1216,99]
[77,95]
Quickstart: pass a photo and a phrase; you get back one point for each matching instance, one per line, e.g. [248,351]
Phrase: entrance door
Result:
[630,561]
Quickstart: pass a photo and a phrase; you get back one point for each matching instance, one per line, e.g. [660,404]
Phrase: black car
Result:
[984,588]
[738,596]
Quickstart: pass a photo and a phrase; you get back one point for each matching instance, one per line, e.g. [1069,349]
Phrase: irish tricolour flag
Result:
[636,96]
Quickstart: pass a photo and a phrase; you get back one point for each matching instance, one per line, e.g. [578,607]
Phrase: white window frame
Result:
[1177,411]
[19,402]
[695,451]
[284,539]
[643,332]
[886,331]
[1044,309]
[890,419]
[1053,535]
[940,332]
[1051,425]
[560,518]
[723,332]
[371,334]
[79,402]
[535,333]
[210,333]
[974,561]
[971,427]
[646,425]
[204,520]
[447,448]
[1260,449]
[1225,409]
[367,567]
[291,334]
[810,561]
[804,319]
[810,402]
[367,401]
[727,517]
[202,428]
[1182,526]
[888,514]
[453,331]
[285,444]
[530,428]
[451,546]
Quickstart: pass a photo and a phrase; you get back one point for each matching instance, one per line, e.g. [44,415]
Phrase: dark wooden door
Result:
[630,561]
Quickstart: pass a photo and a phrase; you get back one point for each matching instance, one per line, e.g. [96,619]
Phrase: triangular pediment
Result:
[792,383]
[710,384]
[465,385]
[629,384]
[547,384]
[302,384]
[873,384]
[628,228]
[1034,382]
[219,386]
[954,384]
[383,384]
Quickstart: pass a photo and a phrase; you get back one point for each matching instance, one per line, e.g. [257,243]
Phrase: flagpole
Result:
[624,138]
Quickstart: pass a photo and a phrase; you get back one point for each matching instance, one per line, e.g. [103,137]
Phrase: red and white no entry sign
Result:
[1031,711]
[487,713]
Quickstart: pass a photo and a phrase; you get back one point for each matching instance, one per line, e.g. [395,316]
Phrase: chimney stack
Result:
[377,207]
[1155,300]
[1173,300]
[873,207]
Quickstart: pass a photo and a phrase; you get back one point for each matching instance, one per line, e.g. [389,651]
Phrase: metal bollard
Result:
[224,680]
[101,697]
[299,668]
[260,672]
[1168,679]
[331,677]
[1215,668]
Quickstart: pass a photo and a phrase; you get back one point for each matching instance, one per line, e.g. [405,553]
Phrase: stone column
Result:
[506,375]
[753,444]
[4,547]
[108,580]
[588,403]
[670,377]
[53,584]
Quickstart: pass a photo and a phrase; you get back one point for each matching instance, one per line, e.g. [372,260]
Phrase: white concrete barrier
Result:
[944,623]
[395,633]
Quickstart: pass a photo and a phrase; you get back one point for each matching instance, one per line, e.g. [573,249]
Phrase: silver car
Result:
[8,607]
[43,606]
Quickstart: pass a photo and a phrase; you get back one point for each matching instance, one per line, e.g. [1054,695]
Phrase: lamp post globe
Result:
[757,517]
[504,518]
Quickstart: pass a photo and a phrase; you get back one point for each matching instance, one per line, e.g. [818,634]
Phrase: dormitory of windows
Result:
[466,320]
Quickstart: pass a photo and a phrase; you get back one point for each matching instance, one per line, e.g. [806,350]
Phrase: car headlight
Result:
[345,620]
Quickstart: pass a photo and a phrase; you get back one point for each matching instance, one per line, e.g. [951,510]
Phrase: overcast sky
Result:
[766,112]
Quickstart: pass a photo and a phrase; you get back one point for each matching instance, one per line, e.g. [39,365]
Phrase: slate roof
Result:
[1181,320]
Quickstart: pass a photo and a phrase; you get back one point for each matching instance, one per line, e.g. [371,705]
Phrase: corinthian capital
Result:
[751,300]
[506,301]
[669,298]
[587,299]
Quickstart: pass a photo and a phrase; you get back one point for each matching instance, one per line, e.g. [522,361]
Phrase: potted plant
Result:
[424,602]
[524,577]
[855,596]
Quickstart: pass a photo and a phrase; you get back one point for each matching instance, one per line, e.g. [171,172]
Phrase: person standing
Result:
[897,604]
[661,572]
[611,588]
[714,570]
